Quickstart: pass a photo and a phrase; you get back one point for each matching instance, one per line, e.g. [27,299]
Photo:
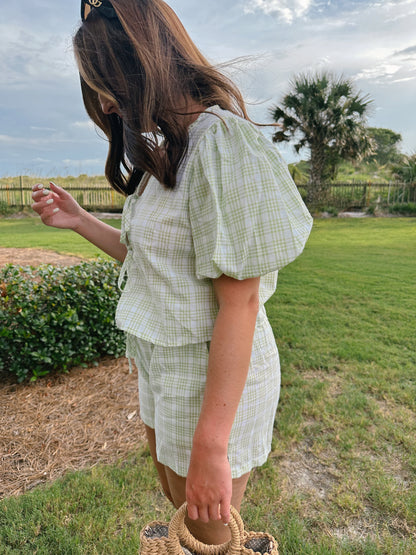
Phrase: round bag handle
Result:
[179,532]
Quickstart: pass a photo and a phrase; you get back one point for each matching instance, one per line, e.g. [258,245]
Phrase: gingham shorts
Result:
[171,389]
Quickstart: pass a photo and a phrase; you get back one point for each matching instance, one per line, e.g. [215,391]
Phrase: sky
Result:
[44,130]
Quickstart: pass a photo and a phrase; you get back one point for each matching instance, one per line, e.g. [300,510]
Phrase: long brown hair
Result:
[145,62]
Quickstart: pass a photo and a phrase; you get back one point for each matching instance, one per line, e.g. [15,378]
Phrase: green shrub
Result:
[332,210]
[54,318]
[408,209]
[5,209]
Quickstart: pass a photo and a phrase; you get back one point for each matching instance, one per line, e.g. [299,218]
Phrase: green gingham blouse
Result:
[235,211]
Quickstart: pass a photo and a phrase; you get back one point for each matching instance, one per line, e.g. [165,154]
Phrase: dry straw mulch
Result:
[68,421]
[35,257]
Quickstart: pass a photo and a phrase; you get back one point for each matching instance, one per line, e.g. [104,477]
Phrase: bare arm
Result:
[57,208]
[209,478]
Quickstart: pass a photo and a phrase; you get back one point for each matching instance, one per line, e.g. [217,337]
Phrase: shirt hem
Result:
[236,472]
[173,343]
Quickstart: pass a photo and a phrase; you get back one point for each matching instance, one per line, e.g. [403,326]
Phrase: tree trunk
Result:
[317,190]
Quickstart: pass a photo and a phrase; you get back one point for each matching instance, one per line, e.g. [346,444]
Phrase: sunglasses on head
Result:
[105,7]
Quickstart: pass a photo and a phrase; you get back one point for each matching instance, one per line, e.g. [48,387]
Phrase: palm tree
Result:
[406,170]
[325,114]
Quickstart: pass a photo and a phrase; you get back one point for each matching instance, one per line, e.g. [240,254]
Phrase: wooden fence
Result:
[359,195]
[342,196]
[92,197]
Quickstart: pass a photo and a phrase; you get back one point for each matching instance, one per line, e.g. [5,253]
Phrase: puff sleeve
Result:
[247,216]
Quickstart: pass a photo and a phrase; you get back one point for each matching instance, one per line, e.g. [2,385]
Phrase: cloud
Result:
[404,79]
[87,124]
[28,58]
[40,143]
[8,140]
[39,160]
[406,51]
[37,128]
[85,162]
[392,67]
[288,10]
[379,72]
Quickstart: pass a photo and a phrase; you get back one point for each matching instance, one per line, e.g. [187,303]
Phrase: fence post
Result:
[364,199]
[21,191]
[367,200]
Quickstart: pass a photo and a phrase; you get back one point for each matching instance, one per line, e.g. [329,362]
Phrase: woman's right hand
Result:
[56,207]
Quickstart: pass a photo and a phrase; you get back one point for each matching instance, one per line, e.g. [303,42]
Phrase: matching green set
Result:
[235,211]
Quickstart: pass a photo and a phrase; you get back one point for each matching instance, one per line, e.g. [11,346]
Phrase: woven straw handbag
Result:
[160,538]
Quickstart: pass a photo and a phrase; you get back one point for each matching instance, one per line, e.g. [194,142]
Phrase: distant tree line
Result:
[328,116]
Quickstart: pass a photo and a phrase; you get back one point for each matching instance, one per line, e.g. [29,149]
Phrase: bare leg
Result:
[161,469]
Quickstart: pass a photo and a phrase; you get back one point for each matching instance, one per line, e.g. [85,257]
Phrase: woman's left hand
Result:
[209,487]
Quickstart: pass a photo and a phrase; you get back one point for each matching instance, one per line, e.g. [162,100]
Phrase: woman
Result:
[210,217]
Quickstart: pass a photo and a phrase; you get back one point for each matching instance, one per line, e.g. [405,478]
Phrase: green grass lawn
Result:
[31,232]
[341,476]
